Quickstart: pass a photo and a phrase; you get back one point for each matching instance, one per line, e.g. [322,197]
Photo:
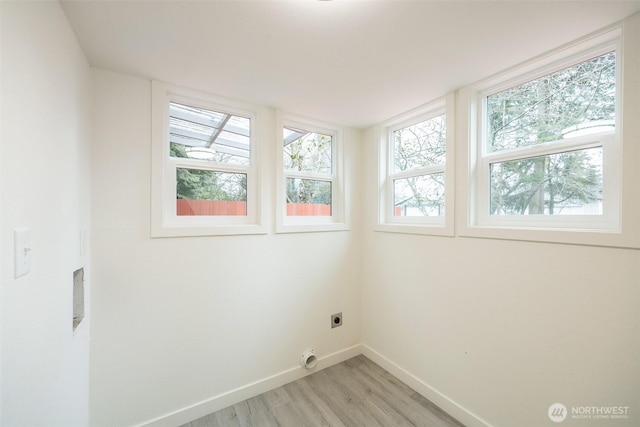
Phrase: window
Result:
[416,177]
[548,146]
[311,194]
[418,154]
[205,164]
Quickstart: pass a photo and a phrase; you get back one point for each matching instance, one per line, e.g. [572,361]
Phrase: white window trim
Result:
[338,221]
[614,232]
[164,220]
[438,226]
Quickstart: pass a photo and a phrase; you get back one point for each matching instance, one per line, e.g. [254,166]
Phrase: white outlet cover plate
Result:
[22,239]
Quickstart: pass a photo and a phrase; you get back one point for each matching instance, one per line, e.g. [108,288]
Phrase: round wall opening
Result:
[309,359]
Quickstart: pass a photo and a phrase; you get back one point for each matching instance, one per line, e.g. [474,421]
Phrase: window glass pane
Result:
[421,195]
[420,145]
[209,135]
[308,197]
[577,100]
[559,184]
[307,151]
[205,192]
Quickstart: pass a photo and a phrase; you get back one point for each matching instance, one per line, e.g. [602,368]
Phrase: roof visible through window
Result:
[208,135]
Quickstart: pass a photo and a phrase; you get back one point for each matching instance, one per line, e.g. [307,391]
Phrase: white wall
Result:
[177,321]
[503,329]
[46,93]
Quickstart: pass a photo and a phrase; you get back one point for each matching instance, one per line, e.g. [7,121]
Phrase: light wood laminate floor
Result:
[356,392]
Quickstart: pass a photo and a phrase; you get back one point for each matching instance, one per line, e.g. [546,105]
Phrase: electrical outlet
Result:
[336,320]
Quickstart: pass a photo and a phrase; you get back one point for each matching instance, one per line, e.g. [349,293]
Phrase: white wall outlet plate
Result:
[22,238]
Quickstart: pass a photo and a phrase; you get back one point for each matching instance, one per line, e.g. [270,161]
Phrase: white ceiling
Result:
[345,61]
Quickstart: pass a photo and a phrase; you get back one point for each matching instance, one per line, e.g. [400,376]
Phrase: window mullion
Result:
[207,165]
[555,147]
[309,175]
[417,172]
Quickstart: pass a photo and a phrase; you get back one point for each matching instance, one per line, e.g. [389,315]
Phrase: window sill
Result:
[217,230]
[421,229]
[311,228]
[584,237]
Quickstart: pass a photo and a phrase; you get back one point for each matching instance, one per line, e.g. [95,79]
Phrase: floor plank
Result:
[354,393]
[315,410]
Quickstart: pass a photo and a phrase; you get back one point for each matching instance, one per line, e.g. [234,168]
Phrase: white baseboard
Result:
[460,413]
[221,401]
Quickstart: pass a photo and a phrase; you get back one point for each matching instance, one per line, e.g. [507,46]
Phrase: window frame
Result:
[441,225]
[608,140]
[164,219]
[624,233]
[338,220]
